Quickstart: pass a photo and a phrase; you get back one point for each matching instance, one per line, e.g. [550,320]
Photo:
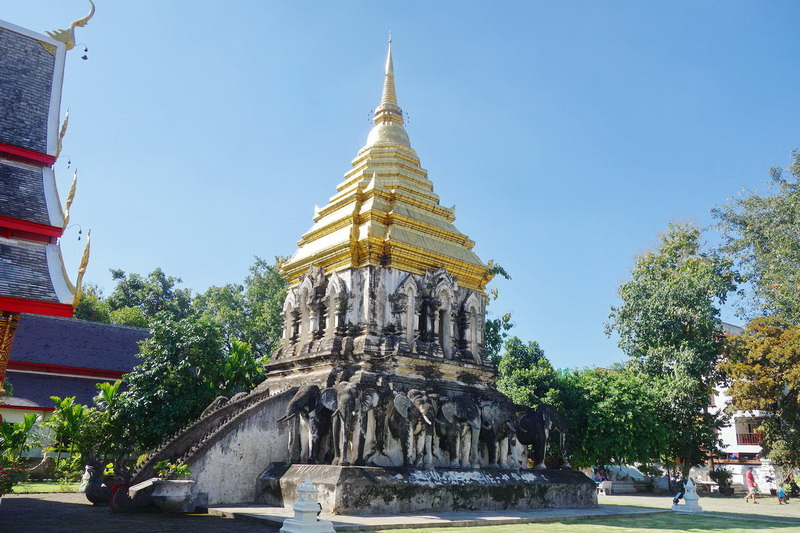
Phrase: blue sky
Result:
[568,134]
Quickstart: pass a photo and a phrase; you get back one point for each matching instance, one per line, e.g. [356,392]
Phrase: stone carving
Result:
[459,425]
[533,428]
[384,311]
[499,433]
[411,421]
[351,406]
[310,423]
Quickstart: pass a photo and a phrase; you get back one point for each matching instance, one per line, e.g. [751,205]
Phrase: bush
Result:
[10,476]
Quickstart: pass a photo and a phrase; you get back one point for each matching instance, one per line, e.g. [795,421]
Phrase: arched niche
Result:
[406,296]
[472,311]
[336,304]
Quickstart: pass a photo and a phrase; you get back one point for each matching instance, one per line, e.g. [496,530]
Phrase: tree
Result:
[264,293]
[226,307]
[184,368]
[136,299]
[615,417]
[251,312]
[496,329]
[762,233]
[92,306]
[18,438]
[763,366]
[67,437]
[669,324]
[526,376]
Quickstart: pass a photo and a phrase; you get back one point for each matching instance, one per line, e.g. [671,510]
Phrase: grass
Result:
[32,487]
[665,522]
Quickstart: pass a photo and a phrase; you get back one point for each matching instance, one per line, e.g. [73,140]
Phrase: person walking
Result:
[750,482]
[782,495]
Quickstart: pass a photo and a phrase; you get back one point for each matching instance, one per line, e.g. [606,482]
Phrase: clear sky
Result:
[568,134]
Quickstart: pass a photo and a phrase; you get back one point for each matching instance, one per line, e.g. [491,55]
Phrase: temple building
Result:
[32,274]
[381,389]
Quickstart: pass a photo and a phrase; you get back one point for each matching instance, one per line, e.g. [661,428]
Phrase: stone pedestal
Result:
[305,513]
[372,490]
[690,498]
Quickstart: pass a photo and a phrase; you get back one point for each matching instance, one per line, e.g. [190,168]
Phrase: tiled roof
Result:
[26,71]
[22,193]
[24,272]
[76,343]
[34,390]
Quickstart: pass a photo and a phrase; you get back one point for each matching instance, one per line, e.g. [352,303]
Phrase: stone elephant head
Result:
[310,423]
[411,421]
[350,404]
[499,433]
[458,426]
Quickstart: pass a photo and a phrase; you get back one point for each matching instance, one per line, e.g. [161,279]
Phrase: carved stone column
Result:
[8,326]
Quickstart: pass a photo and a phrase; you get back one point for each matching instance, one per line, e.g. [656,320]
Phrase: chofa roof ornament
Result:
[68,36]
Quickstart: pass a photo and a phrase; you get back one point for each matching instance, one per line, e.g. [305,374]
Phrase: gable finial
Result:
[68,36]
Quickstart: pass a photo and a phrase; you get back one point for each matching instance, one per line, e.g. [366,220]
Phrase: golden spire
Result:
[68,36]
[388,115]
[388,110]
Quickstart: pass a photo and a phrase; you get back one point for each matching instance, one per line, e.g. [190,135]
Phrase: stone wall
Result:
[227,471]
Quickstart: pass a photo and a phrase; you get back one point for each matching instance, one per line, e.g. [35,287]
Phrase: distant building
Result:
[741,442]
[65,357]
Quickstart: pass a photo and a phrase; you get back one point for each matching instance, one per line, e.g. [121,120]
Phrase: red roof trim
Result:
[36,307]
[64,370]
[17,152]
[27,408]
[30,227]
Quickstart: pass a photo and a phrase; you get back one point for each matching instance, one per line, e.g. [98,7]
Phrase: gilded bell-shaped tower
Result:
[383,274]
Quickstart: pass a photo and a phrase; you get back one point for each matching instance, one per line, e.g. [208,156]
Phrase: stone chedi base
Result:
[371,490]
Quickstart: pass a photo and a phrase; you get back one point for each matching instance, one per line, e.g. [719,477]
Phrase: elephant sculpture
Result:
[499,433]
[458,427]
[310,426]
[411,421]
[350,405]
[534,427]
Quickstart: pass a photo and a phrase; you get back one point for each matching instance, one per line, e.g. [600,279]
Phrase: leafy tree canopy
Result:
[526,376]
[615,416]
[762,233]
[496,329]
[184,368]
[148,295]
[763,367]
[669,324]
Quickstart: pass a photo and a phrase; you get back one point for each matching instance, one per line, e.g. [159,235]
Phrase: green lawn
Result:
[44,486]
[665,522]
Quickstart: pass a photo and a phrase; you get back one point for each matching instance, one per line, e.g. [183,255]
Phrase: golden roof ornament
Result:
[70,197]
[68,36]
[82,270]
[60,140]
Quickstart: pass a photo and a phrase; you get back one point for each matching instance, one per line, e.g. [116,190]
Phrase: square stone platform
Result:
[376,490]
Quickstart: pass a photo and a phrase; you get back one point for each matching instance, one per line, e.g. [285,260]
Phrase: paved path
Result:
[274,516]
[72,513]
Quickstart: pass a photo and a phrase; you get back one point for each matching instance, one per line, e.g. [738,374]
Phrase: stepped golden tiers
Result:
[385,212]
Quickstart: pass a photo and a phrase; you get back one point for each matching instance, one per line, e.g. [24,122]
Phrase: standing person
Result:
[750,482]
